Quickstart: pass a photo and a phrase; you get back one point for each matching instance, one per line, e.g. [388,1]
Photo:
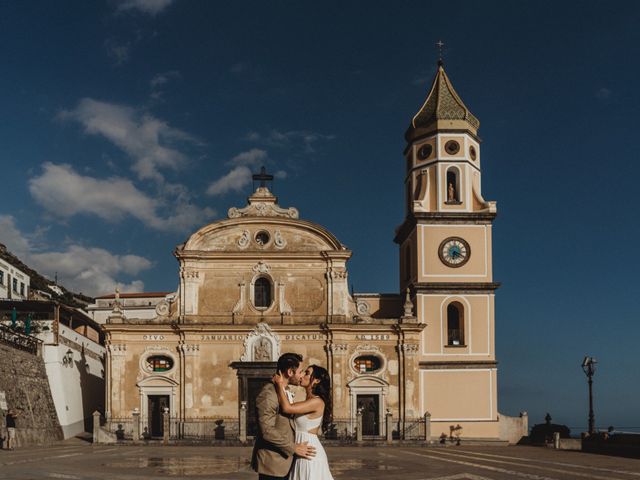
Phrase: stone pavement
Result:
[74,460]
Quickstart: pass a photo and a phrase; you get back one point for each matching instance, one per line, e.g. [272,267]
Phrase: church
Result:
[264,281]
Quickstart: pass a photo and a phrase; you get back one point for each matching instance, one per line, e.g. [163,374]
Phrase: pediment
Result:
[249,234]
[157,381]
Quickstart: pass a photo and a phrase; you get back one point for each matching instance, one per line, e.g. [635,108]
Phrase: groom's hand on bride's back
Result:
[305,450]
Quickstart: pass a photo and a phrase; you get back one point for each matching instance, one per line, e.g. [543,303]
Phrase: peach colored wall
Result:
[447,394]
[478,328]
[477,269]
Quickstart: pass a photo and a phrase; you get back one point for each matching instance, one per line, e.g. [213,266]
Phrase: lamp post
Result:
[589,367]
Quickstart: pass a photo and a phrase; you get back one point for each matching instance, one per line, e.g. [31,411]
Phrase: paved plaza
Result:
[74,460]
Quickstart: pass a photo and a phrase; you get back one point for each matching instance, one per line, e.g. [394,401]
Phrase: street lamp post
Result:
[589,367]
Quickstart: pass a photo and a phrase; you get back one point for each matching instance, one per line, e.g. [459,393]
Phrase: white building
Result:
[132,305]
[73,352]
[14,283]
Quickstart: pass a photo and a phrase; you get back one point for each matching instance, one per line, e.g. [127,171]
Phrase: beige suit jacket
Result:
[275,440]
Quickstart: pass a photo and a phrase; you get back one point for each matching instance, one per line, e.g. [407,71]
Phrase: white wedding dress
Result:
[316,468]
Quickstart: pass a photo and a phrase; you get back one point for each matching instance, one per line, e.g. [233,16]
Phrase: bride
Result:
[311,415]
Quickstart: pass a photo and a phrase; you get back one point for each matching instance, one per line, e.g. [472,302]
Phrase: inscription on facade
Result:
[303,336]
[367,336]
[153,337]
[222,337]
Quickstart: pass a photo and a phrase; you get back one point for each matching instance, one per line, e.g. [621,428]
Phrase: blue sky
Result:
[129,124]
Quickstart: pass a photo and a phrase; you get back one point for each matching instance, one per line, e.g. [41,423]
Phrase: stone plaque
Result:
[3,401]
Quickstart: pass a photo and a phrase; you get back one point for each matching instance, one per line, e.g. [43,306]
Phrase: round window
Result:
[452,147]
[472,152]
[425,151]
[159,363]
[262,238]
[367,364]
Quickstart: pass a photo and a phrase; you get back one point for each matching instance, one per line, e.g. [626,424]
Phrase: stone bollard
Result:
[96,427]
[524,424]
[359,425]
[427,427]
[165,426]
[136,424]
[556,440]
[242,427]
[389,426]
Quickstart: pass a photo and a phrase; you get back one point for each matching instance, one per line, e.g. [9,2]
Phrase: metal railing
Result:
[228,428]
[19,340]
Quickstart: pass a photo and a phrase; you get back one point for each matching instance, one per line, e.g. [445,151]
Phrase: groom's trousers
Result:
[262,476]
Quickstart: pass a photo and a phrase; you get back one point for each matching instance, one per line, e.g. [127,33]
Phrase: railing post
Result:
[389,426]
[136,424]
[556,440]
[96,427]
[165,426]
[359,425]
[427,427]
[242,427]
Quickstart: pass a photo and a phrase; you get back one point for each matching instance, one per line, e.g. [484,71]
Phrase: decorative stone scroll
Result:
[362,308]
[239,306]
[285,308]
[263,210]
[278,240]
[244,240]
[261,267]
[261,345]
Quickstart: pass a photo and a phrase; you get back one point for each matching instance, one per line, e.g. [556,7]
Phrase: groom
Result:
[275,441]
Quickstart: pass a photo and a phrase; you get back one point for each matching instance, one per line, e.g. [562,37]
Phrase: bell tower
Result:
[445,261]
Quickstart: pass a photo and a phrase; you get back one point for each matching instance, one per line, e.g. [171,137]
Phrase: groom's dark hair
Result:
[289,360]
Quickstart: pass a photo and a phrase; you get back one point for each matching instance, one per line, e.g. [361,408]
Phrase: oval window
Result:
[159,363]
[367,364]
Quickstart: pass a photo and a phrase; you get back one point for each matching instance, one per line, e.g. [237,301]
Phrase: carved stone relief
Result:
[244,240]
[261,345]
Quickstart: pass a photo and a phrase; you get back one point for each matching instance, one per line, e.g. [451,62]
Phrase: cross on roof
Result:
[263,177]
[440,44]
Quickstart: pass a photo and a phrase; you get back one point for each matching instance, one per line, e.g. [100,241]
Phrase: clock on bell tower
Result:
[446,261]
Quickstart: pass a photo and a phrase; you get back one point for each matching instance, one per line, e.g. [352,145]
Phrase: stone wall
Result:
[24,382]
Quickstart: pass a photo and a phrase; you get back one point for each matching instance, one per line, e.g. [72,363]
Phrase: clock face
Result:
[454,251]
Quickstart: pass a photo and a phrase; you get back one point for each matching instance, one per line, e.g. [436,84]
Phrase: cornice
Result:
[458,364]
[459,287]
[441,218]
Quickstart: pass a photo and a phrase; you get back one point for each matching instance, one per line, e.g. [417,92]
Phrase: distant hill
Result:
[41,283]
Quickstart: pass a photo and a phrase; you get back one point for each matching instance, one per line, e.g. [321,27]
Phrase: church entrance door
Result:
[369,405]
[157,404]
[252,376]
[254,385]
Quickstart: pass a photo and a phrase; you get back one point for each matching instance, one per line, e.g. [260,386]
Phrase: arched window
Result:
[455,324]
[453,185]
[262,293]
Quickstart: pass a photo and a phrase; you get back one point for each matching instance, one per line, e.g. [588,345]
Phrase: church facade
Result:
[263,281]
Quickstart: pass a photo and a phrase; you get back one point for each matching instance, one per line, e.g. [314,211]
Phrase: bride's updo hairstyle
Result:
[322,389]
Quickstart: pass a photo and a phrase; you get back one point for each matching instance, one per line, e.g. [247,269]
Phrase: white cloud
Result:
[235,180]
[146,139]
[304,139]
[12,238]
[160,80]
[64,193]
[252,158]
[152,7]
[90,270]
[118,52]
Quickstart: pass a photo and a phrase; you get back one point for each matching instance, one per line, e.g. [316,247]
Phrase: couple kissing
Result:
[287,444]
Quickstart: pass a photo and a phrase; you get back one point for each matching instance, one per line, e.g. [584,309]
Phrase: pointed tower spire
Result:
[442,110]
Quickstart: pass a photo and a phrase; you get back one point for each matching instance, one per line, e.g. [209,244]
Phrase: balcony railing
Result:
[19,340]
